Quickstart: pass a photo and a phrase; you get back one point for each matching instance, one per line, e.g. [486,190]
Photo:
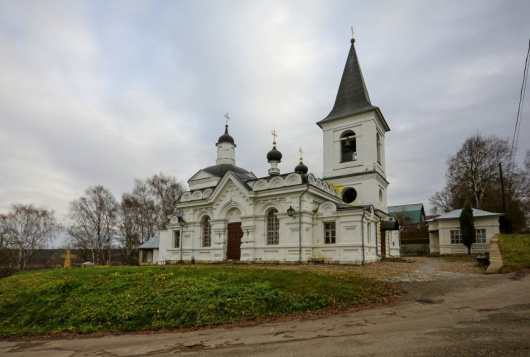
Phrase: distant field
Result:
[150,298]
[515,250]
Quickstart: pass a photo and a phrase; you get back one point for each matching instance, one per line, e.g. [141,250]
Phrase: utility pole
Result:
[502,187]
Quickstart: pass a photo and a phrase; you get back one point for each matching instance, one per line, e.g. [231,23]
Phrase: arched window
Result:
[273,228]
[378,140]
[348,146]
[206,232]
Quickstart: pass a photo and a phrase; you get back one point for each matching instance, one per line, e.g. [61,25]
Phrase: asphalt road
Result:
[483,315]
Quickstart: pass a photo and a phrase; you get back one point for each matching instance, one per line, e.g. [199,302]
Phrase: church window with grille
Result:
[348,146]
[176,239]
[206,232]
[329,233]
[273,228]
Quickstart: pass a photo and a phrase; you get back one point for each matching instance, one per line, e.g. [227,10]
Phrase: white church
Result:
[229,214]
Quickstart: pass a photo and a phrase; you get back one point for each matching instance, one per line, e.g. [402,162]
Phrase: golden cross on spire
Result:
[274,136]
[301,153]
[352,32]
[227,118]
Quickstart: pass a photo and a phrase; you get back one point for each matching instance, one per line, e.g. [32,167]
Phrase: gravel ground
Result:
[409,269]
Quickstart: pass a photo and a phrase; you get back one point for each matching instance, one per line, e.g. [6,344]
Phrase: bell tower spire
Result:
[354,132]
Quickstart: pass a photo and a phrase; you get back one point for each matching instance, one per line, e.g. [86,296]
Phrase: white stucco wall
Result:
[231,202]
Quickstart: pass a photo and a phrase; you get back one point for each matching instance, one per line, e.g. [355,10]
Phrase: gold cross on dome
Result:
[301,153]
[274,135]
[227,118]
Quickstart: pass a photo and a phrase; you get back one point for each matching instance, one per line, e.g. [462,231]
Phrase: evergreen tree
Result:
[467,226]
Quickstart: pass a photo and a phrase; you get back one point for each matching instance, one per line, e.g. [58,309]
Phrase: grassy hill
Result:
[515,250]
[149,298]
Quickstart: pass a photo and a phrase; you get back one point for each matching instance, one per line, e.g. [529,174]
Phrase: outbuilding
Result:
[444,232]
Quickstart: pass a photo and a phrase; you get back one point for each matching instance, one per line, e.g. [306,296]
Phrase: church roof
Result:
[221,169]
[352,96]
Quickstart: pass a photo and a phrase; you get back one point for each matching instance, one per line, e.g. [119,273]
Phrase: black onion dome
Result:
[301,168]
[274,155]
[226,138]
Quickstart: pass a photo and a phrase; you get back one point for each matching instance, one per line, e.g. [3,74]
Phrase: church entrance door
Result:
[233,249]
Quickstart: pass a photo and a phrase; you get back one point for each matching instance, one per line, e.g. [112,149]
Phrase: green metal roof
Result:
[412,211]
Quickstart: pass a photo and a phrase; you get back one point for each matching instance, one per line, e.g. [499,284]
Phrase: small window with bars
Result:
[329,233]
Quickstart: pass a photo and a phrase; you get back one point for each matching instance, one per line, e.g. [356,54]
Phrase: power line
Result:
[515,138]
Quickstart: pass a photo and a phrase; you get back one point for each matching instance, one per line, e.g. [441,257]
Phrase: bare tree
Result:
[447,199]
[137,221]
[165,190]
[26,228]
[93,221]
[144,211]
[7,254]
[476,166]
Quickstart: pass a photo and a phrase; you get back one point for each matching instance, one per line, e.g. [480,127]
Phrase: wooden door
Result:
[383,243]
[233,249]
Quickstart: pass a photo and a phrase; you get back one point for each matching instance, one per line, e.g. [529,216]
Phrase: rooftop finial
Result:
[352,39]
[227,118]
[274,136]
[301,154]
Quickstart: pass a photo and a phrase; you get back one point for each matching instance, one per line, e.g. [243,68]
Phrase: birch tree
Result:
[93,220]
[146,209]
[26,228]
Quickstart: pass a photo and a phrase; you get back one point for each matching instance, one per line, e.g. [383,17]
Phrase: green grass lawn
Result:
[515,250]
[150,298]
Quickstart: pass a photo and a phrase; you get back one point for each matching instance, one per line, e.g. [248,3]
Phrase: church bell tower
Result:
[354,141]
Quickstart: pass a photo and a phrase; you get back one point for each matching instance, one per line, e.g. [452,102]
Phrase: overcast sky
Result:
[102,92]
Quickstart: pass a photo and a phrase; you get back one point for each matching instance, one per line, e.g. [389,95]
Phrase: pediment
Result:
[327,208]
[228,192]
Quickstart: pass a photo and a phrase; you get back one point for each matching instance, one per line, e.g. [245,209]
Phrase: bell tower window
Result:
[378,140]
[348,146]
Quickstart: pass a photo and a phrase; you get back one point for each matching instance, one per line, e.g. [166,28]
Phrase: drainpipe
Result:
[377,230]
[376,242]
[300,225]
[180,244]
[362,234]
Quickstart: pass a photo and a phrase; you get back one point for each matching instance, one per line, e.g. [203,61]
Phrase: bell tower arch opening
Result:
[348,146]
